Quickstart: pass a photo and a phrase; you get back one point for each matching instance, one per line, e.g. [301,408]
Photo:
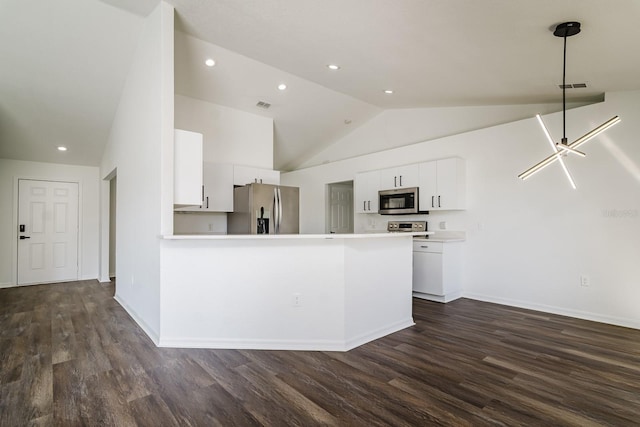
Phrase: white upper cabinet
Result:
[367,185]
[399,177]
[216,193]
[442,184]
[187,168]
[243,175]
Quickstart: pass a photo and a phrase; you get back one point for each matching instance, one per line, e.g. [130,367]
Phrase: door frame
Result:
[14,234]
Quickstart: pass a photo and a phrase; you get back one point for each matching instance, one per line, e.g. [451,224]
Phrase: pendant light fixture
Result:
[562,149]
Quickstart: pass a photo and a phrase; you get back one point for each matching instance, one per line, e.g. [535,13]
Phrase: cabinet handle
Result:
[202,196]
[400,180]
[260,180]
[364,205]
[432,197]
[438,201]
[207,202]
[424,247]
[395,181]
[369,204]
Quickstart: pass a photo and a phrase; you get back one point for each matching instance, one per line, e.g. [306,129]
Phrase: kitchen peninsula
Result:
[288,292]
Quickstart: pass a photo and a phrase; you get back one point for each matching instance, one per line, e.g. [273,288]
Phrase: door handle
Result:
[24,237]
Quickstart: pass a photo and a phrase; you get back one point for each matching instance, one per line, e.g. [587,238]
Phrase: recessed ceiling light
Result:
[62,148]
[210,62]
[333,67]
[388,91]
[282,86]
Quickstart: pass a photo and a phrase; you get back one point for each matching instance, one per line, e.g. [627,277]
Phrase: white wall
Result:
[140,147]
[400,127]
[528,242]
[230,135]
[86,176]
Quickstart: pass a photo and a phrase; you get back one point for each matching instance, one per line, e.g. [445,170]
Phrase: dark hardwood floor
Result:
[70,355]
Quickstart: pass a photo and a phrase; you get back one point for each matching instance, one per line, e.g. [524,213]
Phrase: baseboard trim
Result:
[578,314]
[143,325]
[6,285]
[252,344]
[374,335]
[267,344]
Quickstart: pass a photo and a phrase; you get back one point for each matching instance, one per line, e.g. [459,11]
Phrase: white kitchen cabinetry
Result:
[436,270]
[216,194]
[243,175]
[442,184]
[187,168]
[367,185]
[399,177]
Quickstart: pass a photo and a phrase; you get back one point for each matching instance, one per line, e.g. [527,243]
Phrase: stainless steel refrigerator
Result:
[264,209]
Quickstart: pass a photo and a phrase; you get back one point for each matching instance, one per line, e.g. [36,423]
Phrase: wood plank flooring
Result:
[71,356]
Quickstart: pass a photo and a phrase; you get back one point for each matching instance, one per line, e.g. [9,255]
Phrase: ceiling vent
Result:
[263,105]
[573,86]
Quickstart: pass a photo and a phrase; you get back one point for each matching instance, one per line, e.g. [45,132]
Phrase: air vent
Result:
[573,86]
[264,105]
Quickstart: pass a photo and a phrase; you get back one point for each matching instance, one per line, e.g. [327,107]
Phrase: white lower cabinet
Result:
[436,270]
[216,191]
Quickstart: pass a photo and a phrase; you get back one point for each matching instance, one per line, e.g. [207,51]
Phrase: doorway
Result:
[340,207]
[47,231]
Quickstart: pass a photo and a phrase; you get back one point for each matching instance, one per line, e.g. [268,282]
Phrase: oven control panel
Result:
[406,226]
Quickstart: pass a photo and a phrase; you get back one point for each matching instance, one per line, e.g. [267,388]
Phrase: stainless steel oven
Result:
[398,202]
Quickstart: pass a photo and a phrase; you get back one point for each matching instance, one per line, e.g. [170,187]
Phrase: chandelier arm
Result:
[584,138]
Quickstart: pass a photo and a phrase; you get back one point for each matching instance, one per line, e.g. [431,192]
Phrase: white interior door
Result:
[48,231]
[341,209]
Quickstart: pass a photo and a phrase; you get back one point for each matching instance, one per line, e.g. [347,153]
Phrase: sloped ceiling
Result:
[64,62]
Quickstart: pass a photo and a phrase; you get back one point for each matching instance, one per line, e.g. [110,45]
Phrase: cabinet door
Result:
[218,187]
[428,186]
[268,176]
[243,175]
[427,273]
[366,187]
[187,168]
[451,185]
[399,177]
[408,176]
[388,179]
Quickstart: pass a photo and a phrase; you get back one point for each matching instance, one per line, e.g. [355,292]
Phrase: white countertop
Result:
[290,236]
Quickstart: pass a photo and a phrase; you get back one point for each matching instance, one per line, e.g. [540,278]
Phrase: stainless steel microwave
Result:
[400,201]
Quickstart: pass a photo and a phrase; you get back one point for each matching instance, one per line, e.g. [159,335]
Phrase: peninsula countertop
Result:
[381,235]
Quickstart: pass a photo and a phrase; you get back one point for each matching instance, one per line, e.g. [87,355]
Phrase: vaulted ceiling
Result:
[63,63]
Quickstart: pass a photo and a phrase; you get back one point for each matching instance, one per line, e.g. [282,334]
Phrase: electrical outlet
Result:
[296,300]
[443,225]
[584,280]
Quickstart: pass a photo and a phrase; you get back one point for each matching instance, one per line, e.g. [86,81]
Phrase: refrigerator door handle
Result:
[275,211]
[279,209]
